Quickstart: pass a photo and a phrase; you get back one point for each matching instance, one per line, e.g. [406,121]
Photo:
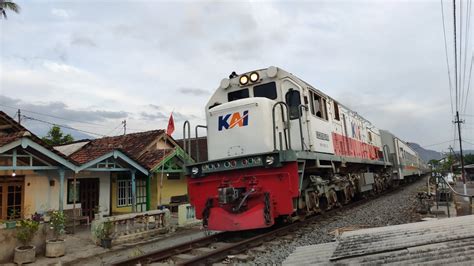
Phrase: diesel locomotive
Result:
[280,149]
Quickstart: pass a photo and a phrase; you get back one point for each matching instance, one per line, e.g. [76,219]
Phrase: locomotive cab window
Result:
[293,101]
[318,105]
[237,95]
[267,90]
[336,111]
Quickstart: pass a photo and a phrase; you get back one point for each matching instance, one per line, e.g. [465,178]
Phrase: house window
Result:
[11,197]
[71,196]
[173,176]
[124,193]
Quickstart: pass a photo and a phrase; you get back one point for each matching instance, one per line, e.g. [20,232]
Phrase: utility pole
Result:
[457,121]
[124,123]
[19,116]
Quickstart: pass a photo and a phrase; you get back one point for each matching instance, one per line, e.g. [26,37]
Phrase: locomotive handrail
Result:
[197,141]
[286,123]
[300,109]
[188,139]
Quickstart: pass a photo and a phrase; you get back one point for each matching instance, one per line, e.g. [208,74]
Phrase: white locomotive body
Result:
[240,122]
[279,148]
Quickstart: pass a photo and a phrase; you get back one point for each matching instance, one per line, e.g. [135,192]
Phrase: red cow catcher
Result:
[246,198]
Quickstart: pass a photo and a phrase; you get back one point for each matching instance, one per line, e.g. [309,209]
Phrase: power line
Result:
[455,55]
[52,116]
[436,144]
[62,126]
[447,58]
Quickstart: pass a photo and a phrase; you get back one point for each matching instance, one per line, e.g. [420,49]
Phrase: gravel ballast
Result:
[395,208]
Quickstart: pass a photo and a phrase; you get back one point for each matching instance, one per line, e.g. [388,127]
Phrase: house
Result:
[153,150]
[129,173]
[31,172]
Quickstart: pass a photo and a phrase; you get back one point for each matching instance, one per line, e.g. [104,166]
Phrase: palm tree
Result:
[7,4]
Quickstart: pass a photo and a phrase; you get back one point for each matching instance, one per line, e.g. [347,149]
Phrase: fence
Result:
[131,226]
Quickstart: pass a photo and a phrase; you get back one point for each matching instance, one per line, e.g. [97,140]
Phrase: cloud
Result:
[61,13]
[193,91]
[59,112]
[83,41]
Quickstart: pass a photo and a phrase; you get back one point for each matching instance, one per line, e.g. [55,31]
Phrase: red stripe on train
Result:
[344,146]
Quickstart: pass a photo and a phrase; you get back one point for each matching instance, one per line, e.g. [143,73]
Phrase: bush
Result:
[26,231]
[57,223]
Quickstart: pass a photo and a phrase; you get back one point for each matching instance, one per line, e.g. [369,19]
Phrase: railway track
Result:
[216,248]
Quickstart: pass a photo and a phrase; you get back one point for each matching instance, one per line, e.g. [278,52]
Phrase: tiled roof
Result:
[11,131]
[8,138]
[151,158]
[202,141]
[135,145]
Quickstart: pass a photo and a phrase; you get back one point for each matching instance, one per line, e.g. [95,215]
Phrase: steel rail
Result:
[235,248]
[221,253]
[166,253]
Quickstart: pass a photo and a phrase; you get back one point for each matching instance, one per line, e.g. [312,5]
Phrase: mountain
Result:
[425,154]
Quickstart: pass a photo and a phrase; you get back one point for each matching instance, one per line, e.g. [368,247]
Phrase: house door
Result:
[89,196]
[141,195]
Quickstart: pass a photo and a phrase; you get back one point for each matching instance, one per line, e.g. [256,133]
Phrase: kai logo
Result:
[236,119]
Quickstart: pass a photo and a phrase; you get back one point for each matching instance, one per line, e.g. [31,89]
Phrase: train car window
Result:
[267,90]
[237,95]
[336,111]
[293,101]
[311,104]
[325,108]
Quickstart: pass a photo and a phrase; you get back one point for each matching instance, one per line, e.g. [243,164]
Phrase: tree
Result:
[56,137]
[469,159]
[10,5]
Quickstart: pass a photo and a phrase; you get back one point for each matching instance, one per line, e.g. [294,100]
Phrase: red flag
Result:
[170,128]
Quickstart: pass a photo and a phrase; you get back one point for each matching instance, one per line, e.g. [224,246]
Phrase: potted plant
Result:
[25,232]
[97,212]
[11,223]
[56,247]
[104,234]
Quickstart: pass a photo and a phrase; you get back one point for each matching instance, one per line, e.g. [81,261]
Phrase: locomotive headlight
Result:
[243,79]
[195,170]
[254,76]
[269,160]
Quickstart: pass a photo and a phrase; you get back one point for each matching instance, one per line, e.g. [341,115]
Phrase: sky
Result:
[89,65]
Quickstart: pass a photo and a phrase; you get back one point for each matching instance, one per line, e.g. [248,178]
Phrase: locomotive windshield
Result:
[267,90]
[237,95]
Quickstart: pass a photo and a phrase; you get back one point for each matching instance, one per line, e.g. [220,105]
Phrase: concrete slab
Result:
[182,258]
[201,251]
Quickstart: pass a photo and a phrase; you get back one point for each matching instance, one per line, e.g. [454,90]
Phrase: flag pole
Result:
[169,131]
